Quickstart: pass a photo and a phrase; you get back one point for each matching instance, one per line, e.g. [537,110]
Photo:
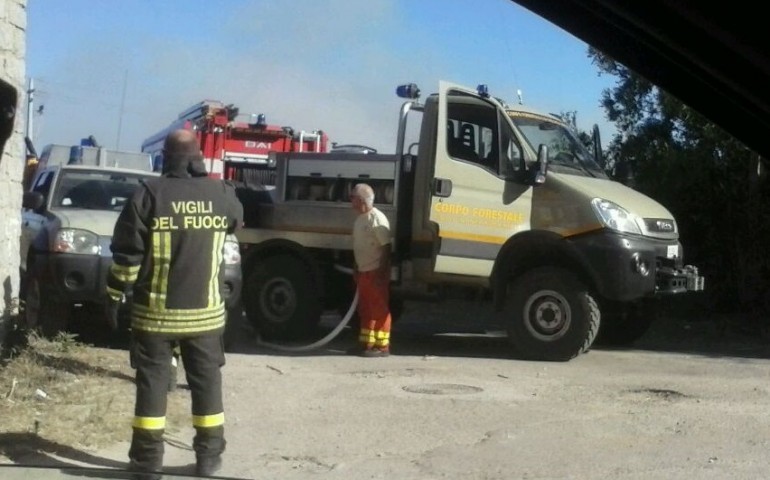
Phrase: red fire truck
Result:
[235,148]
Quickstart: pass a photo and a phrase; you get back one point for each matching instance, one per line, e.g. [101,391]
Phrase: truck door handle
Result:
[442,187]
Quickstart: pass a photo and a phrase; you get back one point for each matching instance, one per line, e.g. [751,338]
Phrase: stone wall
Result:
[13,25]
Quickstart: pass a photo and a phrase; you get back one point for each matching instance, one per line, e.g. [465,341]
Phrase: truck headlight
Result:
[232,251]
[73,240]
[613,216]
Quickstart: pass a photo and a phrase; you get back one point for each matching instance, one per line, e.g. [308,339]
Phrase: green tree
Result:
[709,181]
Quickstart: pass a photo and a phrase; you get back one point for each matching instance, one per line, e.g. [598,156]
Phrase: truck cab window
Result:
[565,151]
[511,155]
[459,147]
[472,132]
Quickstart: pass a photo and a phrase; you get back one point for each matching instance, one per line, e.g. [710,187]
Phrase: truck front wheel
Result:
[551,315]
[281,298]
[44,313]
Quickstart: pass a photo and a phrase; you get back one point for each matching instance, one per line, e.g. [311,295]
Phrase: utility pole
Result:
[122,104]
[30,108]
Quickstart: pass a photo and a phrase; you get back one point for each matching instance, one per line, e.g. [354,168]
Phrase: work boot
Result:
[208,465]
[144,472]
[375,352]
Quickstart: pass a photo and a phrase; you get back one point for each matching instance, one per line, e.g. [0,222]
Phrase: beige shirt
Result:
[371,231]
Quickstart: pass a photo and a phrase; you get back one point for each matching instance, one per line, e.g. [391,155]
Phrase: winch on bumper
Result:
[672,280]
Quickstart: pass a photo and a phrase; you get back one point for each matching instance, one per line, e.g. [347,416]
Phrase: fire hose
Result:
[326,339]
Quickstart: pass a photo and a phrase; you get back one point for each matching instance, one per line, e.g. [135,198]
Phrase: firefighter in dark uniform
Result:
[167,250]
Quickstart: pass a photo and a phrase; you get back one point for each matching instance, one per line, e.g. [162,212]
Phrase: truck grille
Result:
[661,228]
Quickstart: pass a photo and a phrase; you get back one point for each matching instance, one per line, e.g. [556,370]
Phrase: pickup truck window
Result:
[43,183]
[95,190]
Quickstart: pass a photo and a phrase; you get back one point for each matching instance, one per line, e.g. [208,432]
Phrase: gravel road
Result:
[450,403]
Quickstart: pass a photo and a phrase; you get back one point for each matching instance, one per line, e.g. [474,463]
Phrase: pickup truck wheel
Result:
[45,314]
[234,328]
[281,298]
[551,315]
[623,324]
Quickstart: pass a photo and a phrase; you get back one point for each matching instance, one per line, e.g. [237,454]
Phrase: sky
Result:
[123,70]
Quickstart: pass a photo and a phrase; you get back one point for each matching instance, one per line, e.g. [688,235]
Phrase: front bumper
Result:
[232,288]
[74,279]
[626,268]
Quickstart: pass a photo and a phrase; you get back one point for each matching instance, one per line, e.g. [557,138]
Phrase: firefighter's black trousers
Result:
[203,358]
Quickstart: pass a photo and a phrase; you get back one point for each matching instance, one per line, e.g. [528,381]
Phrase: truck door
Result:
[476,204]
[32,221]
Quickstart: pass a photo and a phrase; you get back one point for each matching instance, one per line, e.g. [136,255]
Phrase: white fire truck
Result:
[492,198]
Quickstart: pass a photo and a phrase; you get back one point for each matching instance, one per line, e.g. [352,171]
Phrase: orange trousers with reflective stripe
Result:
[373,310]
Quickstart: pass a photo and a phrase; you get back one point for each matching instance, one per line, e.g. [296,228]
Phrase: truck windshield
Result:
[566,153]
[95,189]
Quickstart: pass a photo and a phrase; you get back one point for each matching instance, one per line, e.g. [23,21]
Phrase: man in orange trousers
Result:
[371,249]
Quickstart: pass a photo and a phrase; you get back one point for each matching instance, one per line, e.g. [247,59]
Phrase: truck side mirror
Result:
[32,200]
[597,140]
[540,169]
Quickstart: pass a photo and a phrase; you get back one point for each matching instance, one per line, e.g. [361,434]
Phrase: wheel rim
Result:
[547,315]
[278,300]
[32,305]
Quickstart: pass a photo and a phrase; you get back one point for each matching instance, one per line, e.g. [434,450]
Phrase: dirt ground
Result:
[688,401]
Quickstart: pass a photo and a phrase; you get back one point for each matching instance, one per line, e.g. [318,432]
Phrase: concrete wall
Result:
[13,26]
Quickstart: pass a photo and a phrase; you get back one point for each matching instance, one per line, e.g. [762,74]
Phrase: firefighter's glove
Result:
[112,307]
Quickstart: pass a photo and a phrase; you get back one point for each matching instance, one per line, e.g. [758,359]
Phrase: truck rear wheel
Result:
[550,315]
[281,298]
